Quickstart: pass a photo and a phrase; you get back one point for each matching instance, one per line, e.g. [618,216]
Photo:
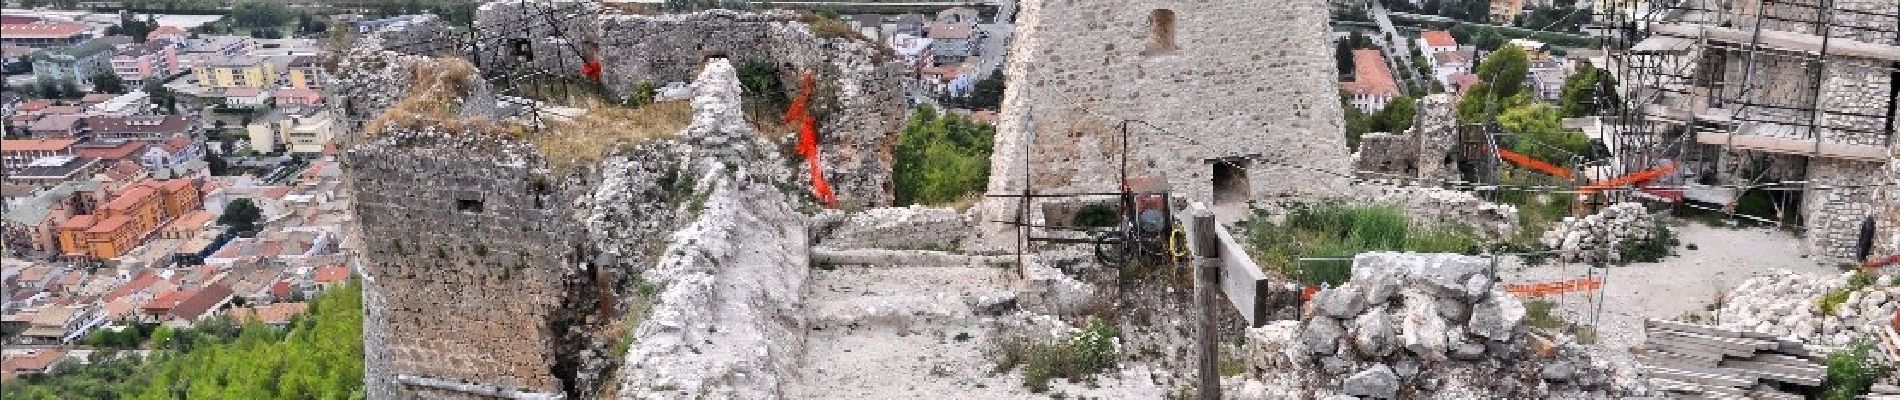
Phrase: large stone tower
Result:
[1235,91]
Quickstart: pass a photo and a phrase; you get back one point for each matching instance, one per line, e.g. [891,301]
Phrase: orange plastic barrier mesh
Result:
[1554,288]
[1535,164]
[1633,178]
[808,138]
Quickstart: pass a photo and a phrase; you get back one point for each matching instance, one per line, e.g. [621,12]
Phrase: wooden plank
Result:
[1786,360]
[1664,358]
[1701,378]
[1701,346]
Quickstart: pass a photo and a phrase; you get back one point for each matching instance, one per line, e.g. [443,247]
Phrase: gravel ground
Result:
[1687,282]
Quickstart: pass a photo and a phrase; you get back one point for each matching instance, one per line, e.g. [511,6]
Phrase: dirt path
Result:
[1687,282]
[917,332]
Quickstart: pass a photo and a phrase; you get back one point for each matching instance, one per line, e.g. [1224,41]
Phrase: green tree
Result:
[107,82]
[987,94]
[162,96]
[1537,131]
[270,14]
[940,159]
[1397,115]
[1581,92]
[241,214]
[1501,76]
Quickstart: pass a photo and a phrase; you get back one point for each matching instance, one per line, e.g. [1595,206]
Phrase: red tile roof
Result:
[42,30]
[1438,39]
[35,105]
[279,313]
[201,301]
[164,301]
[280,289]
[35,361]
[167,30]
[36,144]
[1370,76]
[119,151]
[124,170]
[131,197]
[35,273]
[78,222]
[332,273]
[177,143]
[110,224]
[144,280]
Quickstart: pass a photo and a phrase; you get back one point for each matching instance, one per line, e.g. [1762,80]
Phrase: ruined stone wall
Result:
[1437,130]
[1244,81]
[465,230]
[1853,97]
[1887,226]
[1387,153]
[860,105]
[1833,216]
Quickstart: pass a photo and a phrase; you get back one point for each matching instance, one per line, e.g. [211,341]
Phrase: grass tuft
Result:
[1342,231]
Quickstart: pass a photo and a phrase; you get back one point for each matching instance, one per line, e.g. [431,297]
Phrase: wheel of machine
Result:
[1111,250]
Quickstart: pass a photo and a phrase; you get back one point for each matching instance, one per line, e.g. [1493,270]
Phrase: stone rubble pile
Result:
[1583,239]
[1413,325]
[1444,207]
[1787,304]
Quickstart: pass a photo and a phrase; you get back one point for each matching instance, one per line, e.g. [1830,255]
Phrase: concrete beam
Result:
[1782,40]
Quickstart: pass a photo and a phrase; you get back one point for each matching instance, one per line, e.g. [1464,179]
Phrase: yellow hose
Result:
[1175,238]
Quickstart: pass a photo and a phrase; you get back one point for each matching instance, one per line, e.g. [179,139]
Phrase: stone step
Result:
[902,311]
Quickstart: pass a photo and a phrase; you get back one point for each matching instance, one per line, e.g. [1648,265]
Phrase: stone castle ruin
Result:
[1238,90]
[498,272]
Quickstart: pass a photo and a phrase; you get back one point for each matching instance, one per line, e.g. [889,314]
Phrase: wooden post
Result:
[1207,248]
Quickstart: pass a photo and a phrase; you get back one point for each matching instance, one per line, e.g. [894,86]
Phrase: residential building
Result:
[953,42]
[1505,12]
[125,105]
[1432,42]
[60,324]
[16,153]
[150,128]
[15,59]
[118,226]
[166,157]
[76,64]
[57,126]
[305,72]
[204,47]
[55,170]
[33,224]
[1372,85]
[293,97]
[247,98]
[172,34]
[29,362]
[910,24]
[136,64]
[222,71]
[45,34]
[1448,64]
[197,305]
[294,130]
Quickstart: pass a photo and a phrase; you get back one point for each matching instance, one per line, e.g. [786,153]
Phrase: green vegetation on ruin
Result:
[1342,231]
[941,158]
[1086,352]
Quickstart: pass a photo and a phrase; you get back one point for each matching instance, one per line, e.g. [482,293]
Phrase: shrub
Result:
[1096,215]
[1087,352]
[1661,243]
[941,158]
[1852,370]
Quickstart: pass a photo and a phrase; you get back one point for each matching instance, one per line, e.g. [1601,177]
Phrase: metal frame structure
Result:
[1676,62]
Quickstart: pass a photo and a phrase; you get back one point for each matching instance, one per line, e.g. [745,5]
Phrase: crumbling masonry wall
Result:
[860,105]
[467,229]
[1833,216]
[1246,82]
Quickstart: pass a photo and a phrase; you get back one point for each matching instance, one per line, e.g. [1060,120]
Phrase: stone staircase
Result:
[902,332]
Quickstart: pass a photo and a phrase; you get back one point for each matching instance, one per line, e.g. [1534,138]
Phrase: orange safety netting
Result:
[1626,180]
[591,68]
[808,137]
[1553,288]
[1535,164]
